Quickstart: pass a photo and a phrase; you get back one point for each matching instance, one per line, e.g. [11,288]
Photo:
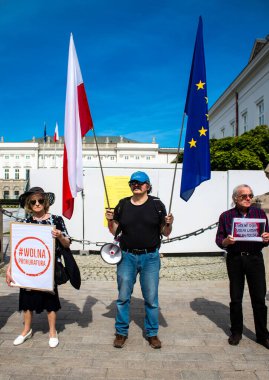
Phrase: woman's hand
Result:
[64,240]
[57,234]
[9,279]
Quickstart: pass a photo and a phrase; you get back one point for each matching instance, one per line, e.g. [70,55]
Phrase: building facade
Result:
[245,103]
[16,159]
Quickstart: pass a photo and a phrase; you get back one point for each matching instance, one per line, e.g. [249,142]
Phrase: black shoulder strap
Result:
[122,202]
[159,207]
[121,205]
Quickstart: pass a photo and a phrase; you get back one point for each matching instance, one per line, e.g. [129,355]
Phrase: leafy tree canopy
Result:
[250,151]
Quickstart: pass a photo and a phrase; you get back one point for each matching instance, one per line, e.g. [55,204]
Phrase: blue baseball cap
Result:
[140,176]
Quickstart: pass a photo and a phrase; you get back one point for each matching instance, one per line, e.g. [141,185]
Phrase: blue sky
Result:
[135,58]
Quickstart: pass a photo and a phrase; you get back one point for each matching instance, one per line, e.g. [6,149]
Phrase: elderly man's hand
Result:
[265,237]
[228,241]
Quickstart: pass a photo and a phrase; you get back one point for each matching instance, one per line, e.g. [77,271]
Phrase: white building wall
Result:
[20,156]
[253,91]
[219,124]
[252,86]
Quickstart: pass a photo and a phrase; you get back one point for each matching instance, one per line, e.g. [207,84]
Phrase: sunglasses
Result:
[40,201]
[245,196]
[133,183]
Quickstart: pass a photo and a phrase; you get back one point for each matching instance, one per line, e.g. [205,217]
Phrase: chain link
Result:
[100,243]
[10,215]
[194,233]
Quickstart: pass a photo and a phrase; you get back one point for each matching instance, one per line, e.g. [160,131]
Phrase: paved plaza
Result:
[194,327]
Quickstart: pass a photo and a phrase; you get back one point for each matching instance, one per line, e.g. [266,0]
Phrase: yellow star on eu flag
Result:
[192,143]
[200,85]
[202,131]
[207,116]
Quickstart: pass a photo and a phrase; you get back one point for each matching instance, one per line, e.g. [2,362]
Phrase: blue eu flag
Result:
[196,158]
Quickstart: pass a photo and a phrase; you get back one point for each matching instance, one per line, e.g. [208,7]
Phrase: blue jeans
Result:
[148,265]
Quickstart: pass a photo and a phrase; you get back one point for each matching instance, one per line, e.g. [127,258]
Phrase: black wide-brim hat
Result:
[36,190]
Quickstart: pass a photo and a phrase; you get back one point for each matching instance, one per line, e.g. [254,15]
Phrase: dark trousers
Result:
[252,268]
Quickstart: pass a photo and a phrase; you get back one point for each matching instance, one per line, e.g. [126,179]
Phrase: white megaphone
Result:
[111,253]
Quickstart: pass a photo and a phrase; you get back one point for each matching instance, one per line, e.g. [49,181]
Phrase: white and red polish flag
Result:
[56,133]
[78,122]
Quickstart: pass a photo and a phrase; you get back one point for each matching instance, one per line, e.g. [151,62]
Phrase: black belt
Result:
[244,253]
[140,251]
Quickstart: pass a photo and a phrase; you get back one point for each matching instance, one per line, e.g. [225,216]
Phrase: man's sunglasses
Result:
[133,183]
[40,201]
[245,196]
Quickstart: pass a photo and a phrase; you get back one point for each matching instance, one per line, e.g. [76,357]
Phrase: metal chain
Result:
[194,233]
[10,215]
[100,243]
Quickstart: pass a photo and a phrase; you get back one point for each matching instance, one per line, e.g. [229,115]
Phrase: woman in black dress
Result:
[36,203]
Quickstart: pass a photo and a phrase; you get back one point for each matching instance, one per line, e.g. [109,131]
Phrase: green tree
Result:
[249,151]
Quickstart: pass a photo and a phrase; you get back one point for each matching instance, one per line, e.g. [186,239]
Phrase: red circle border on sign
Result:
[19,267]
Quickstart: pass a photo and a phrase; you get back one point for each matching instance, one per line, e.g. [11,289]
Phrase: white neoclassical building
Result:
[16,159]
[245,103]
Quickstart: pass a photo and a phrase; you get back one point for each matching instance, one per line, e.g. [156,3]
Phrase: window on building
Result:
[16,194]
[126,157]
[6,157]
[245,121]
[6,173]
[137,157]
[232,125]
[17,173]
[27,157]
[260,106]
[147,157]
[6,194]
[112,157]
[222,132]
[17,157]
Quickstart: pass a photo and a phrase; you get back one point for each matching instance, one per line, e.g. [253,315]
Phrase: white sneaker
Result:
[21,339]
[53,342]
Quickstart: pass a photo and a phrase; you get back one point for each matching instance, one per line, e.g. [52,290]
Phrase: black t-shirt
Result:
[140,225]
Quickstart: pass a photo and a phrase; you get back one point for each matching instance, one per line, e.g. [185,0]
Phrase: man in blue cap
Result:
[141,219]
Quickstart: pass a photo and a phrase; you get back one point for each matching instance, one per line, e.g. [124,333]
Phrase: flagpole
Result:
[55,154]
[178,149]
[101,167]
[83,219]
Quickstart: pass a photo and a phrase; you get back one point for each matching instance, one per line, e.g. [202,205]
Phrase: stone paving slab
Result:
[194,327]
[173,268]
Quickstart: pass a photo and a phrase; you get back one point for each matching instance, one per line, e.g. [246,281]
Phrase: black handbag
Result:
[60,276]
[69,271]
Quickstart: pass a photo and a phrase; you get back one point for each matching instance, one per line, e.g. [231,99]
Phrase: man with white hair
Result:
[245,260]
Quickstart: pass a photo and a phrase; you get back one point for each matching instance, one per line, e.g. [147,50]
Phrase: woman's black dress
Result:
[39,301]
